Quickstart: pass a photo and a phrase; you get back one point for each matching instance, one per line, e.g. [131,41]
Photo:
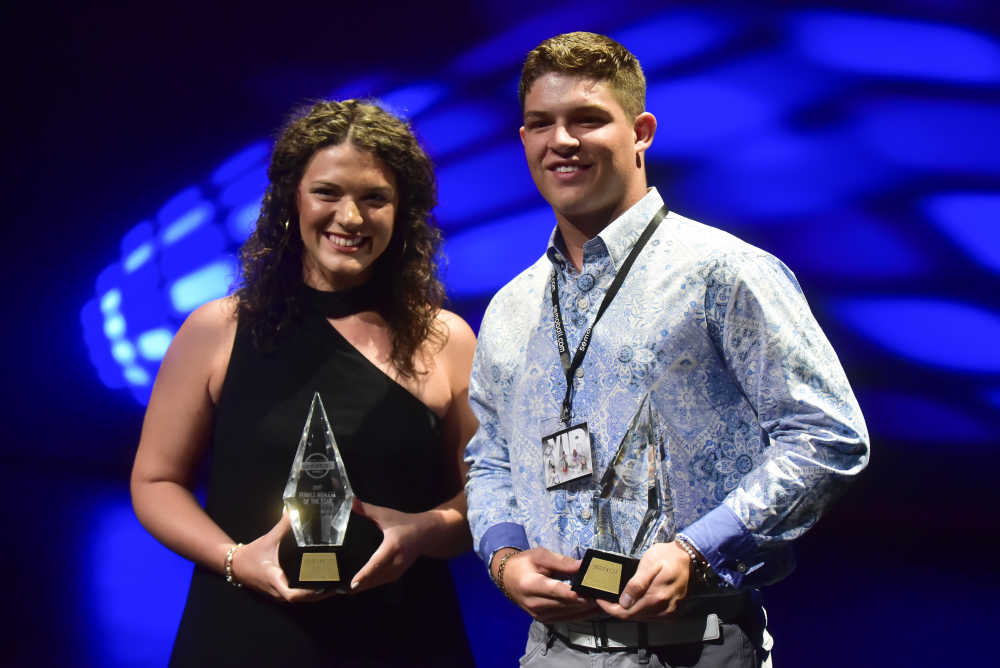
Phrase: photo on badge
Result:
[566,453]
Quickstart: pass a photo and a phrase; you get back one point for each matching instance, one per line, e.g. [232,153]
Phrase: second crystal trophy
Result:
[325,547]
[632,509]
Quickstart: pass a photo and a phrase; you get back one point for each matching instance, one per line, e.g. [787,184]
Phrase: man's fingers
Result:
[637,586]
[550,563]
[547,611]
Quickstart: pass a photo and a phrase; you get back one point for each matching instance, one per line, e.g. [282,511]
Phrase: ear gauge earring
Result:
[638,161]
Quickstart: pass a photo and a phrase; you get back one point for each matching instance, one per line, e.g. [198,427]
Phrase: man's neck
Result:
[578,230]
[573,239]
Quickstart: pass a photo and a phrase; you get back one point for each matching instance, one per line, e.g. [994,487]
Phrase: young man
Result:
[761,429]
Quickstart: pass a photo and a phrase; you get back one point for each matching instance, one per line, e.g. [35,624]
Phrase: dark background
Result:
[113,109]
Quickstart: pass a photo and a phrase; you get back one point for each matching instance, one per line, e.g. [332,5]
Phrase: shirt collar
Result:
[617,238]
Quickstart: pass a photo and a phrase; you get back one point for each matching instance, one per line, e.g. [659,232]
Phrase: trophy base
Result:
[604,574]
[329,566]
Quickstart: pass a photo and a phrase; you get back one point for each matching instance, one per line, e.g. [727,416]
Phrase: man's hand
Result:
[531,580]
[658,585]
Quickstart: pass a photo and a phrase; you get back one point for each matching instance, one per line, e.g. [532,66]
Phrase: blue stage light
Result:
[492,179]
[365,86]
[850,245]
[897,47]
[519,240]
[994,396]
[137,246]
[108,369]
[972,220]
[781,78]
[672,36]
[111,300]
[249,187]
[116,570]
[919,419]
[114,327]
[204,284]
[242,220]
[179,204]
[781,174]
[136,375]
[153,343]
[169,268]
[138,257]
[123,352]
[933,331]
[699,113]
[934,135]
[249,157]
[463,124]
[199,248]
[412,100]
[506,49]
[186,223]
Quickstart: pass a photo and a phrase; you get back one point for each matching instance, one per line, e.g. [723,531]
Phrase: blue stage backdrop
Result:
[861,147]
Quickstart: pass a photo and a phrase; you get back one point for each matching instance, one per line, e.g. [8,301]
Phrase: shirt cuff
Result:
[725,543]
[505,534]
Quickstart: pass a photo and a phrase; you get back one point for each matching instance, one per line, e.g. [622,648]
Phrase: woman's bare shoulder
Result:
[205,341]
[456,331]
[458,347]
[211,323]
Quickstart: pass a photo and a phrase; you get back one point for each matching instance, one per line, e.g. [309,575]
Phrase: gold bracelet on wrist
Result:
[229,565]
[499,578]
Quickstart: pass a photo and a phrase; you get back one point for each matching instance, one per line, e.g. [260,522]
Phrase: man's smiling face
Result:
[581,148]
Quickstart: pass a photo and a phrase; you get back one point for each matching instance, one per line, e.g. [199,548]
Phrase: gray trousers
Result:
[733,649]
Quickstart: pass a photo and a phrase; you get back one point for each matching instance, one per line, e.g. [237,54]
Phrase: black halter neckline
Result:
[341,303]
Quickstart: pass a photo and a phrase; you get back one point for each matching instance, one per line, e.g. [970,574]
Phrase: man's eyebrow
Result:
[583,108]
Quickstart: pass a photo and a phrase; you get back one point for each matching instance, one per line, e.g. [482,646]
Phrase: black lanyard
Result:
[570,367]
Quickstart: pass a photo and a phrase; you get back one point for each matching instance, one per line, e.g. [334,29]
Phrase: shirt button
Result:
[585,282]
[741,567]
[579,372]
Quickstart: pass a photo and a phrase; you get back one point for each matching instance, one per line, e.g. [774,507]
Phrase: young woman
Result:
[339,295]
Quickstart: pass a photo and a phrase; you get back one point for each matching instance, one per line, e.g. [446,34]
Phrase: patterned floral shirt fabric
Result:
[762,428]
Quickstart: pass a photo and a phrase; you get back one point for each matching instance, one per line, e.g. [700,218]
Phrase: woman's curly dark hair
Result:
[270,294]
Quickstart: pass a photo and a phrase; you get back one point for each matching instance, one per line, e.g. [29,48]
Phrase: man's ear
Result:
[644,129]
[521,132]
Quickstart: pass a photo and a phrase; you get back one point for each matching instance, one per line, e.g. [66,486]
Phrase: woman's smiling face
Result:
[347,202]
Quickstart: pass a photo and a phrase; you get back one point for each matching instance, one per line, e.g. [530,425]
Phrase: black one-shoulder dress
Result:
[391,446]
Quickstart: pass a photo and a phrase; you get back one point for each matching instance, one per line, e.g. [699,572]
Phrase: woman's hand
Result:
[256,565]
[403,536]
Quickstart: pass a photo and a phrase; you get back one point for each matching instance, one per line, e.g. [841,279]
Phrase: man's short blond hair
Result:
[589,55]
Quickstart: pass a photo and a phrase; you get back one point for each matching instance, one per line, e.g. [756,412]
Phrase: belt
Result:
[696,621]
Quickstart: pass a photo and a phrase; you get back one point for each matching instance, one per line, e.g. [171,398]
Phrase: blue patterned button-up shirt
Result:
[763,431]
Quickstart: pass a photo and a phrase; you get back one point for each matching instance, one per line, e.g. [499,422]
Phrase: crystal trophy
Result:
[632,509]
[325,547]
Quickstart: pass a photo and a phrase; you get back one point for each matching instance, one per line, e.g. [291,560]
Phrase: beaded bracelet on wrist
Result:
[701,567]
[229,565]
